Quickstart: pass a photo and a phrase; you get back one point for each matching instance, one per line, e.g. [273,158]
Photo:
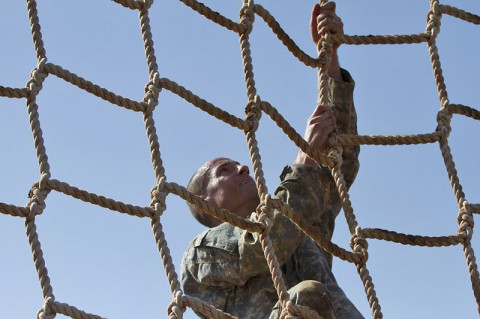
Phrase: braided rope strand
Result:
[253,112]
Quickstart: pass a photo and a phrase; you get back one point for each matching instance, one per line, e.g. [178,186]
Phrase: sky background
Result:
[107,263]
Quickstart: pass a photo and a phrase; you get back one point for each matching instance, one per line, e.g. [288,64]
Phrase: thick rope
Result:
[253,113]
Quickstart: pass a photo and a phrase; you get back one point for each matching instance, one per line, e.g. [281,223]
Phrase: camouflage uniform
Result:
[225,265]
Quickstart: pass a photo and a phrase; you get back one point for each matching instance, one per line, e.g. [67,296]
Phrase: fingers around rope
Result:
[325,21]
[314,22]
[330,24]
[324,111]
[328,5]
[322,118]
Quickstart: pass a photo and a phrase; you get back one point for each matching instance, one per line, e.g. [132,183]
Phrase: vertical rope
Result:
[466,222]
[271,258]
[443,118]
[147,38]
[465,218]
[253,117]
[177,307]
[31,230]
[253,112]
[152,91]
[433,29]
[246,19]
[35,29]
[358,242]
[37,76]
[324,48]
[35,85]
[337,175]
[360,247]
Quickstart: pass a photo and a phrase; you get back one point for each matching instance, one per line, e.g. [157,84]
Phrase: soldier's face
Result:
[230,186]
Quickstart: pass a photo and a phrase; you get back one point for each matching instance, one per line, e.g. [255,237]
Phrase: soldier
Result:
[225,266]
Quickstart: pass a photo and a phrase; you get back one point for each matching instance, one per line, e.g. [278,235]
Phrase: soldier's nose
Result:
[243,170]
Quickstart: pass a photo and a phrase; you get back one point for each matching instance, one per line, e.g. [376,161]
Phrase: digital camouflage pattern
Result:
[225,266]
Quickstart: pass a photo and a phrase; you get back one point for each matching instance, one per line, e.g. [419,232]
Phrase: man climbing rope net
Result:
[225,266]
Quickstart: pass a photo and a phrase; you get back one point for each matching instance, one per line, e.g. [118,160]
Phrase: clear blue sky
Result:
[107,263]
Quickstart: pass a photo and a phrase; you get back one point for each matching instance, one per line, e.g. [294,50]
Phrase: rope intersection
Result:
[254,110]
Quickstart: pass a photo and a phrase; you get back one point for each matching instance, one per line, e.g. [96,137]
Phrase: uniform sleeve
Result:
[301,188]
[340,95]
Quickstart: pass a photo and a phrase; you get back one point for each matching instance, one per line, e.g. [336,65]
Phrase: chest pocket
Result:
[215,259]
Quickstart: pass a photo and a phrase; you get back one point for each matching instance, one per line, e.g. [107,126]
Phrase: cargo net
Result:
[249,124]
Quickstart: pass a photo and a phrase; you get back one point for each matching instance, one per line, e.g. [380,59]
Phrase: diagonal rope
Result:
[253,114]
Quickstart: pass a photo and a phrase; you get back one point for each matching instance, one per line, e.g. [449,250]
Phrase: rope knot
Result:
[253,111]
[466,222]
[264,208]
[46,311]
[267,222]
[434,18]
[247,17]
[42,184]
[152,91]
[332,141]
[176,307]
[37,201]
[158,196]
[336,153]
[37,76]
[443,119]
[324,49]
[359,245]
[288,311]
[147,4]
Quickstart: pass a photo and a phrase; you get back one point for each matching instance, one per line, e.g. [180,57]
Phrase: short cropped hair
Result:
[198,185]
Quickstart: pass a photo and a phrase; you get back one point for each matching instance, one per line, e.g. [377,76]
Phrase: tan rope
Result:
[13,92]
[131,4]
[204,105]
[284,37]
[71,311]
[13,210]
[388,140]
[321,158]
[382,39]
[31,230]
[93,88]
[405,239]
[99,200]
[215,16]
[253,113]
[461,14]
